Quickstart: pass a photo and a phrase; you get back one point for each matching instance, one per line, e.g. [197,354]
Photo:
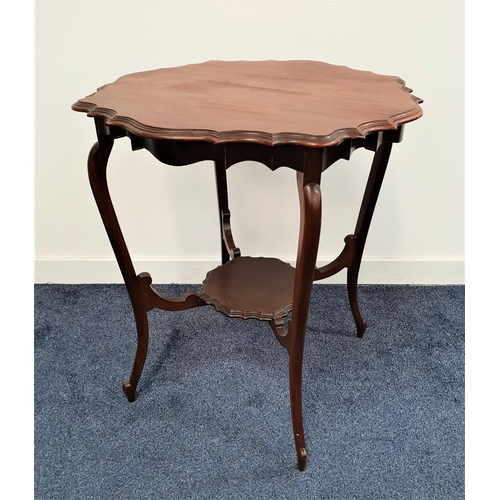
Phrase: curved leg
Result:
[97,166]
[372,191]
[228,247]
[352,292]
[310,225]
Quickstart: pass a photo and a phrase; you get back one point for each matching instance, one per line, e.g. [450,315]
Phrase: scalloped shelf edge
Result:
[236,313]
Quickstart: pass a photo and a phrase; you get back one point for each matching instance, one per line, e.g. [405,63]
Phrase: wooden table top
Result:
[269,102]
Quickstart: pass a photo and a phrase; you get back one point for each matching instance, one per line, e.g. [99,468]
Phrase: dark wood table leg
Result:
[97,166]
[370,196]
[310,225]
[228,247]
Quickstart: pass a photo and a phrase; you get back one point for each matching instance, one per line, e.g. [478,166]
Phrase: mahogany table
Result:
[304,115]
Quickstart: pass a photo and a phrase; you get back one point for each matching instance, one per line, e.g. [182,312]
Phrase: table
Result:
[304,115]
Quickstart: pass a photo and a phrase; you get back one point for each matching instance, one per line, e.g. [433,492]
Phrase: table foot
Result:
[130,386]
[296,408]
[301,459]
[361,327]
[352,291]
[129,391]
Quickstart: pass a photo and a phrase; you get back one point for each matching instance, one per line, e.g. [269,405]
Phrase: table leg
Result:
[370,196]
[228,247]
[97,166]
[310,225]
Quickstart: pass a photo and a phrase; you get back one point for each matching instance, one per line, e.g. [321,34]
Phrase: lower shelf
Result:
[250,288]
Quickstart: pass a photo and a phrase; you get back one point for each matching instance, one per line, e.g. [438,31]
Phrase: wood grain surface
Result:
[269,102]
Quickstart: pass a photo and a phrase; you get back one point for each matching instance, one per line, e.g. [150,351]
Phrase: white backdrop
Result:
[169,214]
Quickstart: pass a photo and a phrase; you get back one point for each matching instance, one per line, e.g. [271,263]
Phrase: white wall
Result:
[169,214]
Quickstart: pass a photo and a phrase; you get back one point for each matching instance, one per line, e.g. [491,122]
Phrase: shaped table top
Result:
[269,102]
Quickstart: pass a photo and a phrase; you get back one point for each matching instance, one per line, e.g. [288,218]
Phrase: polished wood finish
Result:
[250,288]
[268,102]
[97,166]
[142,297]
[229,249]
[310,226]
[303,115]
[368,203]
[155,300]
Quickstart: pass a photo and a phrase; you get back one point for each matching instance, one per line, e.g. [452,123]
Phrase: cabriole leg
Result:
[310,225]
[370,196]
[97,166]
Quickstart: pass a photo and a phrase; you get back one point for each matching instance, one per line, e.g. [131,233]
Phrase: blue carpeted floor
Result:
[383,415]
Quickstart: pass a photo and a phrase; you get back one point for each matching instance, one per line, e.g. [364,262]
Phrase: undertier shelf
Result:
[250,288]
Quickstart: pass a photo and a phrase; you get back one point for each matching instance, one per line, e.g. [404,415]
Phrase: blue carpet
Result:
[383,415]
